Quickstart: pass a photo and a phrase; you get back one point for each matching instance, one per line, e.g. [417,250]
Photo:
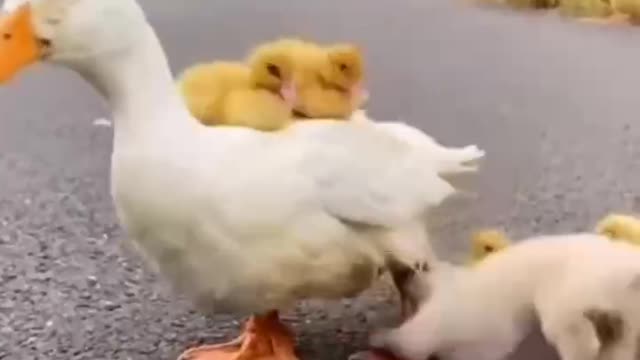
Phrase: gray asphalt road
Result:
[554,103]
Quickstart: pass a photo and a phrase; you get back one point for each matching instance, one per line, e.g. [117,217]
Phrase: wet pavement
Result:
[554,103]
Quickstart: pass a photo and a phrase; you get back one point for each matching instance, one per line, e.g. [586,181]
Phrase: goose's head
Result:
[64,31]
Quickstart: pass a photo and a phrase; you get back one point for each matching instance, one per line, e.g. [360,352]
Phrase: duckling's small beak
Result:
[18,43]
[289,93]
[359,95]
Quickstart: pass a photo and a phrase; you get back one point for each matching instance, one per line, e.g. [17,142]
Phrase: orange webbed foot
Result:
[264,338]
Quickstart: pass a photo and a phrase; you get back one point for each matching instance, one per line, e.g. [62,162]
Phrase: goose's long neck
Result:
[139,87]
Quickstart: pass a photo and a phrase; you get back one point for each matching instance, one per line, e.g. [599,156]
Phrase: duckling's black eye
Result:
[343,67]
[274,70]
[488,248]
[7,36]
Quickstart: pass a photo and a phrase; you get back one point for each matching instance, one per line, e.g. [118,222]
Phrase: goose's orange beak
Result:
[18,43]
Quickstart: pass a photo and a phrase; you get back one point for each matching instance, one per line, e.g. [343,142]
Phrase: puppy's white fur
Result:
[484,312]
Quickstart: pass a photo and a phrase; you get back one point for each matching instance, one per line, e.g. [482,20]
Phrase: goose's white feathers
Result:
[240,220]
[262,219]
[448,160]
[365,176]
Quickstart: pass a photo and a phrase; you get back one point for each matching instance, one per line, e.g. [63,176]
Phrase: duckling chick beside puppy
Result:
[615,226]
[620,227]
[487,242]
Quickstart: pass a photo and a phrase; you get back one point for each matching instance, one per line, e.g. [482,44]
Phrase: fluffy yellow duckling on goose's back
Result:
[328,79]
[620,227]
[487,242]
[268,102]
[258,95]
[205,87]
[333,85]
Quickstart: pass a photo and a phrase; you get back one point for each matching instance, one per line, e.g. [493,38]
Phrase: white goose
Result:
[240,220]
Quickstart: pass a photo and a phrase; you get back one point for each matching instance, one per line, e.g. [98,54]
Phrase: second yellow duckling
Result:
[335,88]
[620,227]
[487,242]
[329,80]
[259,95]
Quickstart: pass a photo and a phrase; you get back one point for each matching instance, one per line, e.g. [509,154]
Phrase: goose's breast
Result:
[231,258]
[227,271]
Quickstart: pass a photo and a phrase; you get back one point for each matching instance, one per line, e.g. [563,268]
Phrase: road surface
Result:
[554,103]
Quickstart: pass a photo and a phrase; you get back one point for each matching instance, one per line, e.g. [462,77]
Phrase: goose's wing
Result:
[450,160]
[366,176]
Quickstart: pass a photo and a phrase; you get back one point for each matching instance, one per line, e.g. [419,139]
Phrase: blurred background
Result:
[553,102]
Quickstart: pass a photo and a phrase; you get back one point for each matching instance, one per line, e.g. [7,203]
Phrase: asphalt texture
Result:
[554,103]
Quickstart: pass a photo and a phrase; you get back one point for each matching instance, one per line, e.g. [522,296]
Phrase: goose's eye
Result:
[274,70]
[488,248]
[343,67]
[44,42]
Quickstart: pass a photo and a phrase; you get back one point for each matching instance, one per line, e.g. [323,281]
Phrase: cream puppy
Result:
[582,288]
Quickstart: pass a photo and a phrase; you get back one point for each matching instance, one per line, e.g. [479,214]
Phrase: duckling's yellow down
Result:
[619,227]
[487,242]
[239,94]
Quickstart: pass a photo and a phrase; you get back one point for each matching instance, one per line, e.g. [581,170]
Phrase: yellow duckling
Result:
[259,95]
[487,242]
[336,89]
[619,227]
[329,80]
